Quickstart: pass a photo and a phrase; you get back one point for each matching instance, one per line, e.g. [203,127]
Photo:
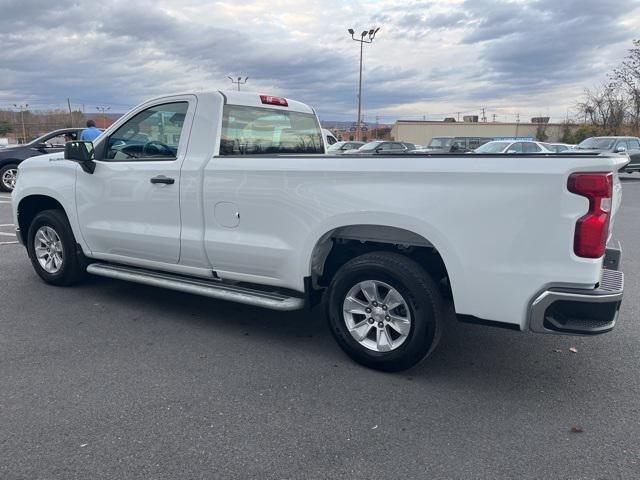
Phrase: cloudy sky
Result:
[432,58]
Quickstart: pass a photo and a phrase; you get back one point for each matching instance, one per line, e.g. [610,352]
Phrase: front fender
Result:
[49,176]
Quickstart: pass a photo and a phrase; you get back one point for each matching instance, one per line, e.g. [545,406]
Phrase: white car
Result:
[235,199]
[511,146]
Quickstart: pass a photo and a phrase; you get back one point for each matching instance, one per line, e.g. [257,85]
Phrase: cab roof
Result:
[254,99]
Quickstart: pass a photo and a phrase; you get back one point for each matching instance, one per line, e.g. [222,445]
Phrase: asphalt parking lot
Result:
[116,380]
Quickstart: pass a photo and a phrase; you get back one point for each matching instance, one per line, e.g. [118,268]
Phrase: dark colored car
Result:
[628,145]
[10,157]
[379,146]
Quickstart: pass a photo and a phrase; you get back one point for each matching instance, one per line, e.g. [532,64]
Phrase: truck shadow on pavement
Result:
[469,357]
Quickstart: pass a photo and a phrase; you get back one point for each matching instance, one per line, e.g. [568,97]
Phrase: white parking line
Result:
[8,234]
[6,225]
[8,243]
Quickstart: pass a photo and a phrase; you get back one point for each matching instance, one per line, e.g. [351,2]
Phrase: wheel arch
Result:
[425,244]
[30,205]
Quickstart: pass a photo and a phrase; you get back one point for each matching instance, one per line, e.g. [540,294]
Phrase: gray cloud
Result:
[120,52]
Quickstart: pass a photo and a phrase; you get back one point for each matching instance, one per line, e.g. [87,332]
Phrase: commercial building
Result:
[422,131]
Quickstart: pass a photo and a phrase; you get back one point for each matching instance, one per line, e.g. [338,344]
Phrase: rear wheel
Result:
[8,177]
[52,248]
[385,311]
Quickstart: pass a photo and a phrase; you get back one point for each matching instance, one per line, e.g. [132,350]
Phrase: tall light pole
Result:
[22,109]
[239,81]
[365,37]
[104,116]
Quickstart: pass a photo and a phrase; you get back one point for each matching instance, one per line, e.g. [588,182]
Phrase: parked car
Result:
[559,147]
[501,146]
[379,146]
[456,144]
[11,156]
[383,240]
[625,145]
[339,148]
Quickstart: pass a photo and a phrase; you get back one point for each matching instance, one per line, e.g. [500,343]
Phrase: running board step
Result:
[218,290]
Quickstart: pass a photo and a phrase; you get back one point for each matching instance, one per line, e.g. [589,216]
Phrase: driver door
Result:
[129,207]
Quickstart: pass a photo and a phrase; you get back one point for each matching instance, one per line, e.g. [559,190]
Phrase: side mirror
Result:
[620,149]
[81,152]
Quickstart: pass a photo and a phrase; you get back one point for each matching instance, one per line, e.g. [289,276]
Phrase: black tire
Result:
[72,269]
[3,170]
[420,293]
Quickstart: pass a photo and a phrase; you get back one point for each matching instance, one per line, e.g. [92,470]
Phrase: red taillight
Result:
[592,230]
[269,100]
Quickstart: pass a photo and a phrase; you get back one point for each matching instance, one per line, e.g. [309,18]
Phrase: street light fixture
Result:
[239,81]
[366,36]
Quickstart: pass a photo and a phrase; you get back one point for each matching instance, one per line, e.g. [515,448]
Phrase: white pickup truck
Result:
[230,195]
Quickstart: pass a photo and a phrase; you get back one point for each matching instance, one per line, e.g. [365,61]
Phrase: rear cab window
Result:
[261,130]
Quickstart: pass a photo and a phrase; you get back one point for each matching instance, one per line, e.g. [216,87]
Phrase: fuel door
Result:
[227,214]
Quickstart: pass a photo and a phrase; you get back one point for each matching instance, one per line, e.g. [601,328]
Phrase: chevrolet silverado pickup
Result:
[231,195]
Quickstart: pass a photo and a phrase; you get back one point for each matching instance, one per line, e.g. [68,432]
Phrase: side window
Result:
[633,144]
[385,146]
[397,146]
[331,140]
[55,142]
[515,147]
[530,147]
[153,134]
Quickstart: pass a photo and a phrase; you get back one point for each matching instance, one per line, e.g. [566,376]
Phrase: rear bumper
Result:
[581,311]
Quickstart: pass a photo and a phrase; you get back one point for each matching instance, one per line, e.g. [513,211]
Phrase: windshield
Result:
[370,146]
[492,147]
[440,142]
[259,131]
[597,143]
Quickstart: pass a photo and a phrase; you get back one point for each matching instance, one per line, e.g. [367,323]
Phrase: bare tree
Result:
[627,75]
[604,107]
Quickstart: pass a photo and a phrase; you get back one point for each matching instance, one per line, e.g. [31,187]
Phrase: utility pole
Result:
[22,109]
[70,112]
[484,117]
[494,118]
[239,81]
[104,116]
[458,116]
[371,34]
[517,123]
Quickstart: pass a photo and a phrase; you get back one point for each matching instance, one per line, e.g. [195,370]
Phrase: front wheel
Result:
[385,311]
[8,177]
[52,248]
